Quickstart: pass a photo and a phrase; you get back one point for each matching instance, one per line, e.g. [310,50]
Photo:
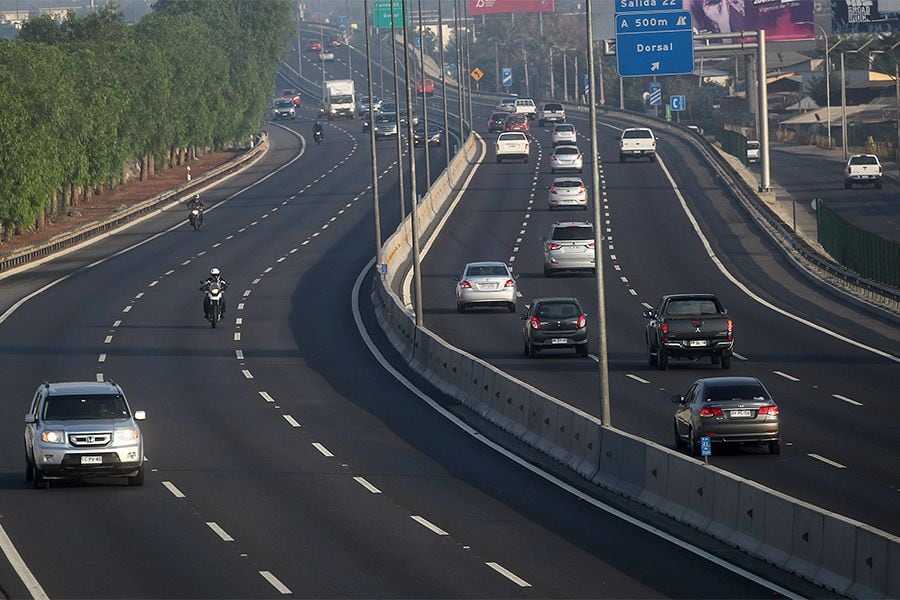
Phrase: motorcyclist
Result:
[318,132]
[197,203]
[215,278]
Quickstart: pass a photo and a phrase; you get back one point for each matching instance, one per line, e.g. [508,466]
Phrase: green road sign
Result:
[381,14]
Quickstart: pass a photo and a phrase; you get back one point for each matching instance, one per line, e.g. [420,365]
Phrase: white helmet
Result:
[214,272]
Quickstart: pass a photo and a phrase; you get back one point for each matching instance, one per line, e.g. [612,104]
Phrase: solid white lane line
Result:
[175,491]
[247,374]
[282,589]
[786,376]
[362,481]
[636,378]
[846,399]
[428,525]
[18,564]
[267,397]
[323,450]
[239,354]
[508,574]
[108,339]
[219,531]
[293,422]
[827,461]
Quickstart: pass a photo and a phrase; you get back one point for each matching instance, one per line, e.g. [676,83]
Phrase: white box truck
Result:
[338,97]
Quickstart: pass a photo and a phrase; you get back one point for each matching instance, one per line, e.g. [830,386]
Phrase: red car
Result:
[425,85]
[517,122]
[292,95]
[335,41]
[314,46]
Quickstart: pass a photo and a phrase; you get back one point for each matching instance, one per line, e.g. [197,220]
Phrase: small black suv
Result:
[554,323]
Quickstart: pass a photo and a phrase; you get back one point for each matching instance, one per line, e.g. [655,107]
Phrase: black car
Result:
[434,135]
[497,121]
[552,323]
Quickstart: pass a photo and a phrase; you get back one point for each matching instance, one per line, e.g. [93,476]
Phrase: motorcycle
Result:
[196,218]
[215,295]
[318,136]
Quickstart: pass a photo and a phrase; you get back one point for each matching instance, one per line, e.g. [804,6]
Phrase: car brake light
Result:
[582,320]
[664,328]
[552,189]
[769,410]
[465,284]
[880,170]
[553,246]
[582,189]
[535,323]
[509,283]
[730,330]
[590,245]
[711,412]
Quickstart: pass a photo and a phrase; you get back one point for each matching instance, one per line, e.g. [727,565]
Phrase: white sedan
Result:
[564,133]
[488,283]
[566,158]
[326,55]
[568,191]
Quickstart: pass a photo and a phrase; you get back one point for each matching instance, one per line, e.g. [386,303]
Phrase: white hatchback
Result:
[564,133]
[566,158]
[568,191]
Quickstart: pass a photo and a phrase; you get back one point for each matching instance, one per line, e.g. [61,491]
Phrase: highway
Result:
[831,365]
[284,458]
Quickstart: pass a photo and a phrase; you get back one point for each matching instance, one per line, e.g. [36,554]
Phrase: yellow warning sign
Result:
[477,74]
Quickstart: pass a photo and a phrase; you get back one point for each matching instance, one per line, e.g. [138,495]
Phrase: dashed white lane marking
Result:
[186,263]
[786,376]
[101,358]
[739,356]
[239,354]
[646,305]
[240,306]
[612,257]
[624,279]
[247,374]
[846,399]
[632,292]
[428,525]
[281,260]
[238,321]
[267,397]
[305,243]
[293,422]
[108,339]
[116,323]
[827,461]
[127,309]
[508,574]
[636,378]
[153,283]
[362,481]
[201,253]
[217,244]
[237,336]
[268,270]
[219,531]
[139,296]
[247,293]
[293,250]
[230,237]
[169,272]
[617,267]
[325,452]
[255,281]
[99,377]
[282,589]
[175,491]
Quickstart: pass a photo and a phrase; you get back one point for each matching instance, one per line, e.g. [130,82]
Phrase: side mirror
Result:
[648,314]
[139,415]
[522,317]
[456,278]
[29,418]
[677,399]
[724,311]
[515,275]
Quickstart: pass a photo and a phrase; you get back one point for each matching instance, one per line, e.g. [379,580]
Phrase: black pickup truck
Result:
[689,326]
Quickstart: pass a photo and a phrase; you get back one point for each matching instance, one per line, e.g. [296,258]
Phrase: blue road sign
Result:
[384,268]
[506,77]
[342,21]
[655,89]
[677,103]
[632,6]
[705,446]
[587,84]
[654,43]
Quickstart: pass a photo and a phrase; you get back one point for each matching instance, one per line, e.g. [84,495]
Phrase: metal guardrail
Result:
[34,252]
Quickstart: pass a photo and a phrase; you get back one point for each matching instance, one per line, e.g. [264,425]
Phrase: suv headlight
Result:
[53,437]
[123,436]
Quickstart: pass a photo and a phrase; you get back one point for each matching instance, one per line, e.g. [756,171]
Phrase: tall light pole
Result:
[827,75]
[424,99]
[602,362]
[552,83]
[374,155]
[469,68]
[299,49]
[397,103]
[843,107]
[446,133]
[459,71]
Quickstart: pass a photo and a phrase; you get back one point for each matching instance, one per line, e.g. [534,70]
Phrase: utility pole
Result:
[460,72]
[424,100]
[397,103]
[525,57]
[565,77]
[414,199]
[299,49]
[766,184]
[446,133]
[373,154]
[897,99]
[552,84]
[497,63]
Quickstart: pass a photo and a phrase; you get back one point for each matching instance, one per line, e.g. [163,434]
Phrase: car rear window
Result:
[553,107]
[499,116]
[512,137]
[88,406]
[565,128]
[568,183]
[486,271]
[558,310]
[752,145]
[863,160]
[724,393]
[637,133]
[690,308]
[516,118]
[573,232]
[566,150]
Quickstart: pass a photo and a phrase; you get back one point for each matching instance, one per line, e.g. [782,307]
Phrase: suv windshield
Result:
[88,406]
[573,232]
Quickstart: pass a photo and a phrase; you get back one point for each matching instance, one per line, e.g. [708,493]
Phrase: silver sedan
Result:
[568,191]
[566,158]
[488,283]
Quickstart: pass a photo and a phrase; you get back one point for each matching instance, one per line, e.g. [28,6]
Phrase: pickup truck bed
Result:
[637,142]
[512,144]
[863,168]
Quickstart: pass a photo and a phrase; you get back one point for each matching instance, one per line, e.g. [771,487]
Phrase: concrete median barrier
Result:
[778,529]
[838,555]
[676,499]
[806,546]
[725,491]
[700,495]
[870,568]
[655,475]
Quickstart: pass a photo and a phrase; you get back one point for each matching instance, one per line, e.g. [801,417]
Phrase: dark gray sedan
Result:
[730,410]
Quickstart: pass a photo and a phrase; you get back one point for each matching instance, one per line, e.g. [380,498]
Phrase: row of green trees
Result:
[82,100]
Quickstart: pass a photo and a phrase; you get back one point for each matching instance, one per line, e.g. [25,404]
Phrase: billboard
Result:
[490,7]
[864,16]
[783,20]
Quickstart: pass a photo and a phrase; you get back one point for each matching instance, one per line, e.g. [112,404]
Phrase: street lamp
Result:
[827,74]
[844,96]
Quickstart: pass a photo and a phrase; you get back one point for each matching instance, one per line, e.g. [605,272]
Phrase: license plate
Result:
[697,343]
[92,460]
[742,413]
[559,341]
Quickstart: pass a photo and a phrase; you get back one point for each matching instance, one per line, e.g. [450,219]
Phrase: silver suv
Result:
[82,429]
[569,247]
